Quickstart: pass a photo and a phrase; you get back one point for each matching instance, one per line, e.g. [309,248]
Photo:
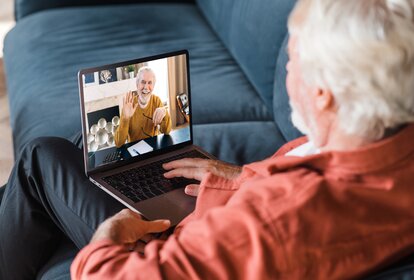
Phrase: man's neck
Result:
[142,105]
[340,141]
[344,142]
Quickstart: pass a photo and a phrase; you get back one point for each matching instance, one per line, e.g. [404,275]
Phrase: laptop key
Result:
[148,181]
[157,191]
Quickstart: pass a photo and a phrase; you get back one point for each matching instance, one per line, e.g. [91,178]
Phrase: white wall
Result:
[160,68]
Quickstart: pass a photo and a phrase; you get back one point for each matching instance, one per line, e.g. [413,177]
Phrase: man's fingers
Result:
[130,96]
[140,247]
[189,173]
[186,162]
[159,120]
[127,98]
[147,238]
[157,117]
[192,189]
[158,225]
[129,212]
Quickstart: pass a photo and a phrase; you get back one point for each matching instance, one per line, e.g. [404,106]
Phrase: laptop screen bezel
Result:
[106,167]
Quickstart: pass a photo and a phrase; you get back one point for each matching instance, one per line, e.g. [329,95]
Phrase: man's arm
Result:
[130,104]
[225,243]
[165,126]
[162,114]
[121,134]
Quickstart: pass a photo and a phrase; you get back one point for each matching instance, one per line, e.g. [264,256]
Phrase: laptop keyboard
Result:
[114,156]
[147,181]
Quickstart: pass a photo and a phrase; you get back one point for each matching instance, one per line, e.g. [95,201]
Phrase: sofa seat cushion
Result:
[45,50]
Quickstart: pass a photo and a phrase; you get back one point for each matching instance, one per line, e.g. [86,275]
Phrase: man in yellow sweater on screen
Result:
[143,115]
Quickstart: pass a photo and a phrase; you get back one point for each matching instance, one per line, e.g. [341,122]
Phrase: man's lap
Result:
[76,205]
[48,197]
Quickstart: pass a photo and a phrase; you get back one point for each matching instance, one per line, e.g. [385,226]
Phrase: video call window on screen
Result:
[135,109]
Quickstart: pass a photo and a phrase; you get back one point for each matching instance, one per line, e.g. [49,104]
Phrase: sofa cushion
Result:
[45,50]
[23,8]
[247,141]
[253,32]
[281,107]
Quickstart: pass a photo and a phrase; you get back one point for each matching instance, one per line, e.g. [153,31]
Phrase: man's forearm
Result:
[121,133]
[106,260]
[166,124]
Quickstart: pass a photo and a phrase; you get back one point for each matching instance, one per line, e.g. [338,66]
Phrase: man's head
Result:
[145,84]
[351,67]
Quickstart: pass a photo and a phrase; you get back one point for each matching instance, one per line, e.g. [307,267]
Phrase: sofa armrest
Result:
[23,8]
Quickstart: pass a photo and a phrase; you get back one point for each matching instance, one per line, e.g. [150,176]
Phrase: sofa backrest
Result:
[281,108]
[253,32]
[24,8]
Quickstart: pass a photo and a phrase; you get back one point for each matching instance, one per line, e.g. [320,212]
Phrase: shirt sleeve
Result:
[121,134]
[227,242]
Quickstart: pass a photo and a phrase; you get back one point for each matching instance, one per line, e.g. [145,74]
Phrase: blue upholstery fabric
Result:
[240,105]
[44,92]
[240,141]
[253,32]
[24,8]
[281,107]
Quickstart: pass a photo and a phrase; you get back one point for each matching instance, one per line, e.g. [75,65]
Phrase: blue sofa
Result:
[237,63]
[233,57]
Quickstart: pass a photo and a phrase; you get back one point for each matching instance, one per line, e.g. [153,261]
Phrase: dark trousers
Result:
[47,198]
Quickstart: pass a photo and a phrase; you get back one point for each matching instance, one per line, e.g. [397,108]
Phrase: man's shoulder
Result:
[156,99]
[281,177]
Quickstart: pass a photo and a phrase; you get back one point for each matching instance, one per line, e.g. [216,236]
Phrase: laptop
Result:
[124,156]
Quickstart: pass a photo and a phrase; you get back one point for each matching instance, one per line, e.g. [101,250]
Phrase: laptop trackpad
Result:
[174,206]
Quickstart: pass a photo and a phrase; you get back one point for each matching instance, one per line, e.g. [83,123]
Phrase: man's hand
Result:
[127,227]
[197,168]
[159,115]
[128,108]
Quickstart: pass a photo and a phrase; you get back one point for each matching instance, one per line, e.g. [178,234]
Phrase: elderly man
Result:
[337,204]
[142,114]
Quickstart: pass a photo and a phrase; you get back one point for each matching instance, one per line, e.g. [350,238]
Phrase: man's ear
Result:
[324,99]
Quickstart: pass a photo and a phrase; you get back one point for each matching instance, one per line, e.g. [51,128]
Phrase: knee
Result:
[46,146]
[44,143]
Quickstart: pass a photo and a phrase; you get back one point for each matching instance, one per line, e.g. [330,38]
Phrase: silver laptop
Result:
[124,156]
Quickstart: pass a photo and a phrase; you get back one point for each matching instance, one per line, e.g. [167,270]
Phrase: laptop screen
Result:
[135,108]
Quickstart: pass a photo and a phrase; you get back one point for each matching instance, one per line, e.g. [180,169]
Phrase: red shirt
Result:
[325,216]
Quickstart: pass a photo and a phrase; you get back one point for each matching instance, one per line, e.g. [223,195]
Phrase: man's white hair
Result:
[363,51]
[145,69]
